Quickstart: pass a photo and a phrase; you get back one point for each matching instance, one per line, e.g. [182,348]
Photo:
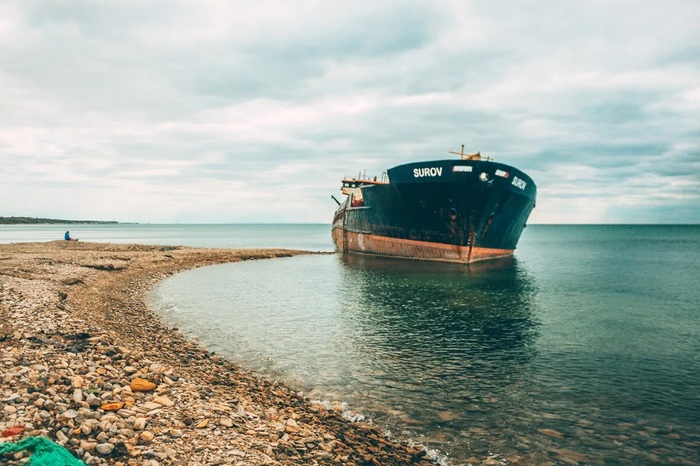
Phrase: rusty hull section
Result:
[362,243]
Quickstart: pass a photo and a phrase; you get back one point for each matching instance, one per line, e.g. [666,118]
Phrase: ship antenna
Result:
[461,154]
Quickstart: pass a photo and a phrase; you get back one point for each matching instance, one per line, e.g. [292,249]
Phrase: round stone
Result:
[104,448]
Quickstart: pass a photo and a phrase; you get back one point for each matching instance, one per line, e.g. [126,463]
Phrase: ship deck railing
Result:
[359,181]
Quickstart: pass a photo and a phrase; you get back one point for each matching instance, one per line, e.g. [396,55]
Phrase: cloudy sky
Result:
[239,111]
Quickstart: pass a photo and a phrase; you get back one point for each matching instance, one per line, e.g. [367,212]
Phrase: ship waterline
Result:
[411,249]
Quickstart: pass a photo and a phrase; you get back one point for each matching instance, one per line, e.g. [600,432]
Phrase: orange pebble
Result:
[116,406]
[142,385]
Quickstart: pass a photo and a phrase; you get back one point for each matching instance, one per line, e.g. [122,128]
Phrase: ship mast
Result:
[463,156]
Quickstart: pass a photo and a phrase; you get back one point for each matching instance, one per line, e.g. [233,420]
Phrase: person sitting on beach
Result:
[68,238]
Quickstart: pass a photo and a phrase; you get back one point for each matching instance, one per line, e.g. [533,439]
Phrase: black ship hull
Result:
[447,210]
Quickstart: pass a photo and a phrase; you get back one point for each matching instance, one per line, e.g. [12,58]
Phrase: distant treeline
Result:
[35,220]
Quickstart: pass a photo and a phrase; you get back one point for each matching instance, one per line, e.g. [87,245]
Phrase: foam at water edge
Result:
[356,417]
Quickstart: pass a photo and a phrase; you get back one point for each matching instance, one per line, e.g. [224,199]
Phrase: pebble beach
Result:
[85,363]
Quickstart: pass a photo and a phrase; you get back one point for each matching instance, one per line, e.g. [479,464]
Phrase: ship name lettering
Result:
[518,183]
[423,172]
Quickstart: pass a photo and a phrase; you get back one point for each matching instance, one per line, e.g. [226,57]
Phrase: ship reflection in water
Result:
[428,350]
[435,347]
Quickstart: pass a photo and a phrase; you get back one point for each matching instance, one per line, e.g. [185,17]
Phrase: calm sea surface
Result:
[305,236]
[584,348]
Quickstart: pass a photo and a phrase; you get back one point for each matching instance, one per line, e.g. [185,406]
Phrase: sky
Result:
[213,111]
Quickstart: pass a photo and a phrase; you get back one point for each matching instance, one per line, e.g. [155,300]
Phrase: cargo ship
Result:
[463,210]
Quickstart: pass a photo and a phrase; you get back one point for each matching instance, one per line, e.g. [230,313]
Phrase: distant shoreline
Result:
[51,221]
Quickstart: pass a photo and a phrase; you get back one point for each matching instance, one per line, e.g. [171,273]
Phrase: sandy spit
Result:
[84,362]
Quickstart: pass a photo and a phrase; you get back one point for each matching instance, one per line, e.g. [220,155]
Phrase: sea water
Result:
[313,237]
[583,348]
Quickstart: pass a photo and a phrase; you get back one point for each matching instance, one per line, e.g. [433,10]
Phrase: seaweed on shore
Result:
[104,267]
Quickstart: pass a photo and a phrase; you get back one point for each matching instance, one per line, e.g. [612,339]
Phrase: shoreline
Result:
[75,332]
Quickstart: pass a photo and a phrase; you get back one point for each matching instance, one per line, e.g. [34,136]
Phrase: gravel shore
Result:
[84,362]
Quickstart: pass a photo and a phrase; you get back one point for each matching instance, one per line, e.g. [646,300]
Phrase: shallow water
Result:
[583,348]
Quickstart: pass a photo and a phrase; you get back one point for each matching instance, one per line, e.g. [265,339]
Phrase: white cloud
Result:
[232,111]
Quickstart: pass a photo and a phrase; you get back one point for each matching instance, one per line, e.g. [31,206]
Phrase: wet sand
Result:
[85,363]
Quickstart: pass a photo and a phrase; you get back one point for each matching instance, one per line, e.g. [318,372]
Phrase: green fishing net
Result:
[44,452]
